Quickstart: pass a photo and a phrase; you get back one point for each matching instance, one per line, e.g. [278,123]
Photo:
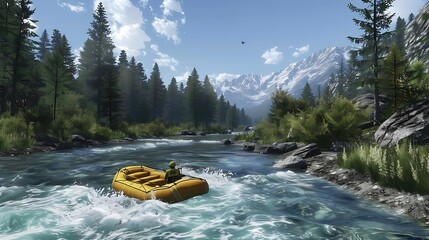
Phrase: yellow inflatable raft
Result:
[145,183]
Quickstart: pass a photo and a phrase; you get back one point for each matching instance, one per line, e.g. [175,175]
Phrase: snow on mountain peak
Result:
[254,89]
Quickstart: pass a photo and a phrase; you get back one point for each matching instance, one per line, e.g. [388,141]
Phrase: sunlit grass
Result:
[404,166]
[14,134]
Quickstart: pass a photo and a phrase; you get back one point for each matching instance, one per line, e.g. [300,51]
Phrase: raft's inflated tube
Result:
[145,183]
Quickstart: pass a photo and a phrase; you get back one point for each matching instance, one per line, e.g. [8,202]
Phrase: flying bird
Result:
[243,42]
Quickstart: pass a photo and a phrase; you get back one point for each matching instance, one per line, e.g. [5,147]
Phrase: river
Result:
[68,195]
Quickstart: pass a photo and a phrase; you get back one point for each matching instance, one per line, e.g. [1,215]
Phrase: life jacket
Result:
[172,175]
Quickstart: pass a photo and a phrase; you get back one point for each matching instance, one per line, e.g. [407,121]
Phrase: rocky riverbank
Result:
[325,166]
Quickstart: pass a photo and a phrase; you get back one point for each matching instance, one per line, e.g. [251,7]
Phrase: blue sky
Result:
[207,34]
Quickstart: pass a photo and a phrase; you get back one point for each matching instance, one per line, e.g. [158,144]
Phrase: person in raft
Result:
[172,174]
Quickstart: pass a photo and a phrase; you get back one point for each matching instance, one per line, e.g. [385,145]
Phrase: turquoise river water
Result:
[68,195]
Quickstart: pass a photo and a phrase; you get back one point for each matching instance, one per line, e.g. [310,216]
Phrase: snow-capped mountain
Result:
[255,89]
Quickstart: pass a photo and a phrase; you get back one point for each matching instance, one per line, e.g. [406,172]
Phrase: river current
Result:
[68,195]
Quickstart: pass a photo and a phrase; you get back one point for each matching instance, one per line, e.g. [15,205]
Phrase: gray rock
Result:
[248,147]
[280,148]
[307,151]
[294,162]
[411,122]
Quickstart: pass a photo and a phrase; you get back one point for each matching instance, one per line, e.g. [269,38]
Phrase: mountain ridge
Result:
[252,90]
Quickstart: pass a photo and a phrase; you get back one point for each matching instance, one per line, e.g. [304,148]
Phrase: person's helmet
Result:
[172,164]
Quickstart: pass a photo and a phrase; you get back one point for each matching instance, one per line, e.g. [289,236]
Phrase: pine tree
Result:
[156,94]
[44,46]
[221,111]
[8,23]
[376,21]
[208,103]
[144,93]
[307,96]
[69,58]
[97,53]
[111,102]
[393,69]
[22,56]
[133,92]
[173,106]
[192,98]
[56,78]
[233,117]
[56,39]
[399,35]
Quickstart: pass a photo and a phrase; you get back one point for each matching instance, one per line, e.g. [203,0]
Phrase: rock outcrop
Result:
[411,122]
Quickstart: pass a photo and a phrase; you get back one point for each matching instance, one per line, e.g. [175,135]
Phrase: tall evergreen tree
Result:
[44,46]
[156,94]
[399,35]
[173,106]
[307,95]
[69,58]
[393,69]
[376,21]
[97,53]
[111,102]
[8,24]
[208,104]
[144,93]
[56,39]
[22,45]
[132,95]
[192,98]
[57,78]
[221,111]
[233,116]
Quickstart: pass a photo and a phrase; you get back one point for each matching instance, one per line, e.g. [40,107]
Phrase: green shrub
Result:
[81,124]
[309,127]
[14,134]
[61,127]
[343,119]
[100,133]
[268,132]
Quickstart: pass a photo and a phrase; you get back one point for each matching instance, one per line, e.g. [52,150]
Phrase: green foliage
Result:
[14,134]
[309,127]
[403,166]
[100,133]
[268,132]
[343,119]
[61,127]
[82,124]
[282,104]
[307,95]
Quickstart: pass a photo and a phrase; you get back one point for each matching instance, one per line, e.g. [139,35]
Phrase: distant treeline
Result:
[40,80]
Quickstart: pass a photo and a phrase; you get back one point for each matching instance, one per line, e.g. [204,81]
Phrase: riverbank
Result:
[414,205]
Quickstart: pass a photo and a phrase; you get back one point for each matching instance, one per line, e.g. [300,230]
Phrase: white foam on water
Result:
[210,141]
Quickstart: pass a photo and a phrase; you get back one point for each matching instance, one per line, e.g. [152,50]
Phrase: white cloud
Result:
[183,78]
[403,8]
[166,28]
[164,60]
[301,50]
[224,77]
[79,7]
[272,56]
[144,3]
[126,23]
[170,6]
